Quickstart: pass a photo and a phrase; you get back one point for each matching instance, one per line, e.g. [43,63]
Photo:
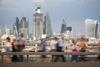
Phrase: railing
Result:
[48,53]
[59,64]
[45,53]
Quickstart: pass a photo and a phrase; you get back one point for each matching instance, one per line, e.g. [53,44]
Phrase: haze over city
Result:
[74,11]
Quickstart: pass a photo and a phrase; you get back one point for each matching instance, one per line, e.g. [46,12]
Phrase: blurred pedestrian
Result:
[59,48]
[43,45]
[14,49]
[21,45]
[74,50]
[82,47]
[98,50]
[8,48]
[53,43]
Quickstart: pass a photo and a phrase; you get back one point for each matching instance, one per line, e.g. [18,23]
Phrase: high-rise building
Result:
[38,23]
[47,25]
[91,27]
[17,24]
[0,31]
[64,26]
[14,30]
[97,30]
[42,23]
[7,30]
[24,27]
[69,28]
[98,34]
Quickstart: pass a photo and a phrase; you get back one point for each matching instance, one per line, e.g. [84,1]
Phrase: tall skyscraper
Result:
[47,25]
[69,28]
[42,23]
[14,30]
[0,31]
[98,34]
[38,23]
[17,24]
[7,30]
[91,27]
[64,26]
[24,27]
[96,30]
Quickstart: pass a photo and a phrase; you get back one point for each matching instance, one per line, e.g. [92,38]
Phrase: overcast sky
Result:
[74,11]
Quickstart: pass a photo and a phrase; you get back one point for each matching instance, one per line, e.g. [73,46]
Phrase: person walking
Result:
[14,49]
[82,47]
[7,48]
[59,48]
[20,45]
[53,44]
[74,50]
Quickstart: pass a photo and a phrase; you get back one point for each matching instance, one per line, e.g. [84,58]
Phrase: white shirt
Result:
[8,46]
[53,44]
[61,43]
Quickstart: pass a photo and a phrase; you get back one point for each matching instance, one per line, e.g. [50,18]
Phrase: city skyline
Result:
[74,11]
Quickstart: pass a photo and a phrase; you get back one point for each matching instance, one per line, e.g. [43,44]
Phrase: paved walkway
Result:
[56,64]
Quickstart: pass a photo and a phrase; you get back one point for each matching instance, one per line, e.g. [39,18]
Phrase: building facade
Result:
[47,25]
[23,27]
[38,19]
[91,28]
[63,27]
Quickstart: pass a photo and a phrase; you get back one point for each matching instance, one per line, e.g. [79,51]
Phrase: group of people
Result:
[13,45]
[54,44]
[77,47]
[59,45]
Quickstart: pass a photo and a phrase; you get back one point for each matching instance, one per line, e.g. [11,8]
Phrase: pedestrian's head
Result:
[72,41]
[55,38]
[8,39]
[21,35]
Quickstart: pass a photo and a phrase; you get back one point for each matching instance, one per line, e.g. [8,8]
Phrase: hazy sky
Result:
[74,11]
